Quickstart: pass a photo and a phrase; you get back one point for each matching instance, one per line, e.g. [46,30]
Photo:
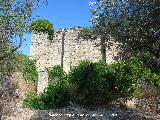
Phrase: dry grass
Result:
[153,92]
[23,86]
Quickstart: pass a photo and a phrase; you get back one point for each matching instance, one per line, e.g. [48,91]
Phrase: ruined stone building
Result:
[66,49]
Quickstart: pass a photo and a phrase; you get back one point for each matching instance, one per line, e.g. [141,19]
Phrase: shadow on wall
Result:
[62,54]
[124,53]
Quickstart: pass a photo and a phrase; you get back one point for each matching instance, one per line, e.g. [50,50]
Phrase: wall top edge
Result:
[62,30]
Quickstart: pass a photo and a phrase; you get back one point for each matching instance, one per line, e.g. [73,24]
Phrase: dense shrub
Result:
[33,101]
[30,71]
[89,78]
[139,71]
[20,59]
[42,26]
[55,96]
[56,73]
[154,79]
[125,76]
[94,83]
[13,64]
[99,82]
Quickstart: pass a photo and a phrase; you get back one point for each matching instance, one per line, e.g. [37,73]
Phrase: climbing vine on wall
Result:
[42,26]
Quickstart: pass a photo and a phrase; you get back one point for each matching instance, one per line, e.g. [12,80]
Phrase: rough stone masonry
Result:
[66,49]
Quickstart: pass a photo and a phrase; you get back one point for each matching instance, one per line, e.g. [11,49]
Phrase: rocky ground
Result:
[101,113]
[13,111]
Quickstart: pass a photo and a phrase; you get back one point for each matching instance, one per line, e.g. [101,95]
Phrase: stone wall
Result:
[47,54]
[66,49]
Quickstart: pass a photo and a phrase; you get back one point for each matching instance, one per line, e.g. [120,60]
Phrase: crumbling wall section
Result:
[66,49]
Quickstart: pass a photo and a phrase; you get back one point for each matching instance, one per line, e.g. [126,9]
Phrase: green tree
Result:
[133,23]
[15,16]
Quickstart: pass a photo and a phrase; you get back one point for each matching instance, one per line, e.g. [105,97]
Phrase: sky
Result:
[62,14]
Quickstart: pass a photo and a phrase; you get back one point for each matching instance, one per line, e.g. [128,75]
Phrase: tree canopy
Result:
[134,23]
[15,16]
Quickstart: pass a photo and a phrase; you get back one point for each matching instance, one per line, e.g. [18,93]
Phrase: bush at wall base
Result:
[101,83]
[55,96]
[89,79]
[95,83]
[33,101]
[56,73]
